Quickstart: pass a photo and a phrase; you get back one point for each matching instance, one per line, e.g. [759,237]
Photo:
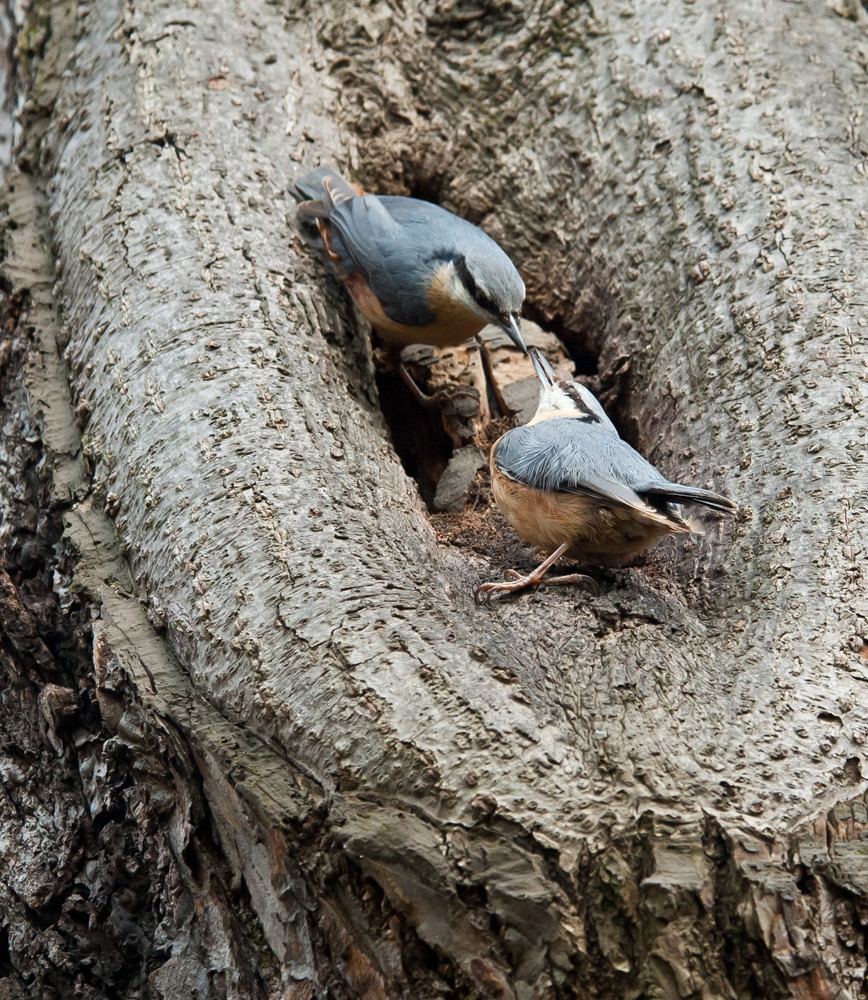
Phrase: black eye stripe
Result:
[589,415]
[465,275]
[483,300]
[476,293]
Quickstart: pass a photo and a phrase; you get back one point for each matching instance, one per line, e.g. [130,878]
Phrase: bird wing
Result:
[676,493]
[567,455]
[389,255]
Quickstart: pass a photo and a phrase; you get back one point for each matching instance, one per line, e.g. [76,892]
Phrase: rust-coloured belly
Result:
[454,323]
[593,532]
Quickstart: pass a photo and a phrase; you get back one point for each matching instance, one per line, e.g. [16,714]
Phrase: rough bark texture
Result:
[291,716]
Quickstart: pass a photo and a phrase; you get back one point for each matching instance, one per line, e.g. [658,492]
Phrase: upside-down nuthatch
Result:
[420,274]
[569,485]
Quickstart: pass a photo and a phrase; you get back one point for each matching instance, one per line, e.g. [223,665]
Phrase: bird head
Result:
[487,281]
[560,397]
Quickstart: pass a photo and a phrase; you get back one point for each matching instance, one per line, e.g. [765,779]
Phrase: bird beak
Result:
[513,331]
[544,371]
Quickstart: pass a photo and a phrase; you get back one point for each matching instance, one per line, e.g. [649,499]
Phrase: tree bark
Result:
[283,752]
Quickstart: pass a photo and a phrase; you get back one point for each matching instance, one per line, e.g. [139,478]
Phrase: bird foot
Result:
[516,581]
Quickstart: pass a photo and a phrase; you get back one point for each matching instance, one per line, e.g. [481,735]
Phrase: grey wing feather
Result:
[676,493]
[567,455]
[439,224]
[570,456]
[383,250]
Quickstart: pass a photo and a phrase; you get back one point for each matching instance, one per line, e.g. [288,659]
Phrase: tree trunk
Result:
[258,740]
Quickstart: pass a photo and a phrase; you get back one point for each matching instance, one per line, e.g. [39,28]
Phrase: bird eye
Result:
[465,275]
[484,302]
[576,397]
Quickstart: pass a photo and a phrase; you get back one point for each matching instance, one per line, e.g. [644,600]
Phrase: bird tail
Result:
[676,493]
[319,191]
[309,186]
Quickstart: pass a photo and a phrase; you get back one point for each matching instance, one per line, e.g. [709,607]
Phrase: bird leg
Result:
[445,395]
[535,579]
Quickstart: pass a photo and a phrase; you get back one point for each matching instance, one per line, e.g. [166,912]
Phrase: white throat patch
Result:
[554,402]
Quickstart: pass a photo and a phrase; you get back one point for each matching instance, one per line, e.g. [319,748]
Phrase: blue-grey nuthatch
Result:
[420,274]
[569,485]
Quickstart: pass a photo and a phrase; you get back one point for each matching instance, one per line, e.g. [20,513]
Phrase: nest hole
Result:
[578,344]
[422,442]
[417,433]
[426,186]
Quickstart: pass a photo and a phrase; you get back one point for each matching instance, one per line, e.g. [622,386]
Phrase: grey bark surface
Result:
[652,792]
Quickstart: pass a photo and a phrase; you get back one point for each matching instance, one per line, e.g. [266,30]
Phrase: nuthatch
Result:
[420,274]
[569,485]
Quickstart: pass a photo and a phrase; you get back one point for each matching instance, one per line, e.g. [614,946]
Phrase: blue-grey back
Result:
[423,220]
[567,454]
